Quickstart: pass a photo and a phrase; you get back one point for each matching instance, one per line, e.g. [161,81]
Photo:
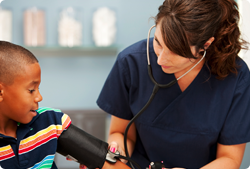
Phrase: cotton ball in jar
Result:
[104,27]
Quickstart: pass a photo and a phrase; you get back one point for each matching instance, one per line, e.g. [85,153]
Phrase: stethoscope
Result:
[155,89]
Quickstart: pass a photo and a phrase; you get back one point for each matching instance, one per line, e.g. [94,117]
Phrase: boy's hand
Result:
[81,166]
[173,168]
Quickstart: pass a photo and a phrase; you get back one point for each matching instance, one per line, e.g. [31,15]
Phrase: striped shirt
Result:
[36,142]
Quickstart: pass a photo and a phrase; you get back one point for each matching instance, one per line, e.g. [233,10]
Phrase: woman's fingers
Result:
[113,147]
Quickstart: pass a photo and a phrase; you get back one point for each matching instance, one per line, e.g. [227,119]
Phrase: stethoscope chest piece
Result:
[156,165]
[110,157]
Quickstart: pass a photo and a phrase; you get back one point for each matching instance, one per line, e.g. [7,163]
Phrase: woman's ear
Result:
[208,43]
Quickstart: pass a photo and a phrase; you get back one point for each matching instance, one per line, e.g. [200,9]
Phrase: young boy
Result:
[28,135]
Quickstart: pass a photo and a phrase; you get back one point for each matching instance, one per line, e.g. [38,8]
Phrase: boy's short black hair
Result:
[12,60]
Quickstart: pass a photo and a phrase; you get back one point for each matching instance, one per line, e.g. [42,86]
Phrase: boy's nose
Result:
[39,97]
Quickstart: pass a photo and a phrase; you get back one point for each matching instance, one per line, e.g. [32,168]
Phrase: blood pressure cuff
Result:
[82,147]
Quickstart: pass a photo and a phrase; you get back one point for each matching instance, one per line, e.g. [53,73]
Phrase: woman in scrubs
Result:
[203,120]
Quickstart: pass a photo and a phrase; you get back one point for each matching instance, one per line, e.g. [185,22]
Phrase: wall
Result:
[75,82]
[244,6]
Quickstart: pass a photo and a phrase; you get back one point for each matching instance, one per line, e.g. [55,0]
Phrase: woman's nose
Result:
[161,58]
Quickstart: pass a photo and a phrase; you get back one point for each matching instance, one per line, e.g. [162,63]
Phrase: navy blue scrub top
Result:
[181,129]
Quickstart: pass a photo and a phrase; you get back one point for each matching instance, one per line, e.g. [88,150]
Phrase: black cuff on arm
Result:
[83,147]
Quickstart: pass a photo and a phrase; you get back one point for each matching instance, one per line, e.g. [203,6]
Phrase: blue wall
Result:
[75,82]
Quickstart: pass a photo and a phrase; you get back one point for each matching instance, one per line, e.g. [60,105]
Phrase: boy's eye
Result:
[31,91]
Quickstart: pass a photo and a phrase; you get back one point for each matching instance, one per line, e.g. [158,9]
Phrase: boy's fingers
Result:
[68,159]
[82,166]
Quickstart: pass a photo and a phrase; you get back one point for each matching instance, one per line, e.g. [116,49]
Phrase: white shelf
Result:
[46,51]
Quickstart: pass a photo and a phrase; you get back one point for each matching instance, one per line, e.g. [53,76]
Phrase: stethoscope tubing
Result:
[155,89]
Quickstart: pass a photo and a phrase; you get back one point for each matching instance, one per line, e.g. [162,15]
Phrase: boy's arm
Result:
[107,165]
[117,165]
[82,147]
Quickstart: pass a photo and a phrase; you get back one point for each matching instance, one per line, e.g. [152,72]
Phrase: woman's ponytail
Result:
[200,20]
[227,42]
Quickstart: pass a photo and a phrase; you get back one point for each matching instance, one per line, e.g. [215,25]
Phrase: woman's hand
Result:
[116,136]
[107,165]
[113,147]
[228,156]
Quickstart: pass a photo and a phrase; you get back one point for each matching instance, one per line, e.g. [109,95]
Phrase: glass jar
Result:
[104,26]
[6,25]
[34,27]
[69,28]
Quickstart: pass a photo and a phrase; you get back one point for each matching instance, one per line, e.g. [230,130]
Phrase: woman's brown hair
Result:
[186,23]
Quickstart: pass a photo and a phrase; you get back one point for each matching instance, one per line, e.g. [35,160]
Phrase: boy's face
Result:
[20,100]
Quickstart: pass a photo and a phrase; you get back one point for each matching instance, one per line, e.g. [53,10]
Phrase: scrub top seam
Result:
[247,83]
[108,109]
[179,131]
[137,52]
[228,141]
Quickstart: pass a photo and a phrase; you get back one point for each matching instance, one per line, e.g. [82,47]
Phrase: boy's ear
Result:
[1,92]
